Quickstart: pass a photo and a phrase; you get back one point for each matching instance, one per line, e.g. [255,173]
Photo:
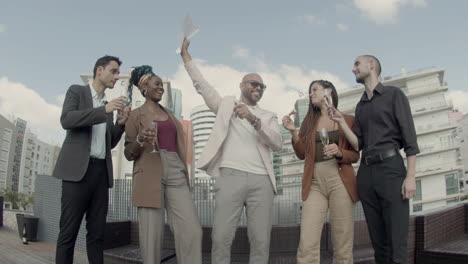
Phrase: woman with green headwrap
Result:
[154,140]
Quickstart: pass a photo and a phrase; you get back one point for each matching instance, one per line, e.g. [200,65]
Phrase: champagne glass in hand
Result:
[154,128]
[325,140]
[327,98]
[124,95]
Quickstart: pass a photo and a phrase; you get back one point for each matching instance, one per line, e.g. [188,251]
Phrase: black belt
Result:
[369,160]
[96,160]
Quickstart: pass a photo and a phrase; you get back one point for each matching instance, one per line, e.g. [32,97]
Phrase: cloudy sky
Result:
[46,45]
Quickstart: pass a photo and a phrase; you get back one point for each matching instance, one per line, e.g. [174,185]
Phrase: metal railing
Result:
[287,204]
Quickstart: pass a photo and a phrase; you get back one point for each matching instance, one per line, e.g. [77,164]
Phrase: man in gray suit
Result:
[85,163]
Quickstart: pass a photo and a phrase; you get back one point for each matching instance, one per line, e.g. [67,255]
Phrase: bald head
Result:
[375,62]
[252,77]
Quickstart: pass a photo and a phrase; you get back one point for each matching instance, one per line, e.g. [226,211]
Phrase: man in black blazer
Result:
[85,162]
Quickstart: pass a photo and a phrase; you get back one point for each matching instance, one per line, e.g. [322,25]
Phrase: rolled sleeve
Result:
[405,122]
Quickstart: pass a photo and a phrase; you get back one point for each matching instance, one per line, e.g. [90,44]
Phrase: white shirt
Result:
[98,135]
[240,148]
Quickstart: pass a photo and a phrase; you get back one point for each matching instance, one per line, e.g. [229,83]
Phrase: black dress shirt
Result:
[384,122]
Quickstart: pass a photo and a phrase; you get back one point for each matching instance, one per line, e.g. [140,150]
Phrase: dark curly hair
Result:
[135,77]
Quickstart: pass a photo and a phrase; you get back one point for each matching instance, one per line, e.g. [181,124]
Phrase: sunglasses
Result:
[256,84]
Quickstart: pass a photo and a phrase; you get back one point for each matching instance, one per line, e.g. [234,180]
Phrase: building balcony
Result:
[435,148]
[431,128]
[443,198]
[420,90]
[437,169]
[420,110]
[412,92]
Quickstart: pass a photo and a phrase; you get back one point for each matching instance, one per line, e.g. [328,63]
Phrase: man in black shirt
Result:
[383,126]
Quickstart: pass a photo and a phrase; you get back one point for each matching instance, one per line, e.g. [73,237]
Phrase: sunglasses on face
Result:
[256,84]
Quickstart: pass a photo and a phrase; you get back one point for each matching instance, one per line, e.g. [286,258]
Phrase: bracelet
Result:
[138,141]
[254,123]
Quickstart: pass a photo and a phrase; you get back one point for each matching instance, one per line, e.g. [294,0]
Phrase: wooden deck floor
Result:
[12,250]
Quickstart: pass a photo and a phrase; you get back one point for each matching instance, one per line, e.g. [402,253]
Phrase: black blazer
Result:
[78,117]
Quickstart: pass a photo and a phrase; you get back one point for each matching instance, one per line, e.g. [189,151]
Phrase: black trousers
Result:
[387,214]
[89,196]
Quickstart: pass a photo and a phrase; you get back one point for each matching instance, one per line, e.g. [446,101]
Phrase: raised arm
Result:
[209,94]
[73,117]
[338,117]
[297,144]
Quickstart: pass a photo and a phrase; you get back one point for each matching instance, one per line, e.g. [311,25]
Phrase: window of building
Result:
[7,134]
[6,145]
[417,207]
[446,141]
[418,195]
[3,165]
[4,155]
[3,176]
[452,201]
[451,183]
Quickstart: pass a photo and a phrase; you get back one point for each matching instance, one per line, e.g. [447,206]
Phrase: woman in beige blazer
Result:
[160,179]
[329,181]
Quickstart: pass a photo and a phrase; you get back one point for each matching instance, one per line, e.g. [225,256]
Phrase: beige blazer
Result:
[268,138]
[147,166]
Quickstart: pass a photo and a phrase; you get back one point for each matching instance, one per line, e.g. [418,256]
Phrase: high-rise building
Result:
[177,103]
[20,125]
[202,121]
[37,158]
[301,107]
[462,138]
[7,151]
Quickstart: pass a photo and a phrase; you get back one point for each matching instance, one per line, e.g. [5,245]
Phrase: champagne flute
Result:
[123,94]
[325,140]
[154,127]
[327,98]
[238,103]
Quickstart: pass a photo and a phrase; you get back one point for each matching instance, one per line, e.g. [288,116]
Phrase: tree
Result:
[25,199]
[11,197]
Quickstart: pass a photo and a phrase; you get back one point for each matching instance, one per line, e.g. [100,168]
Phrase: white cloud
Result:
[43,118]
[283,84]
[59,99]
[459,100]
[385,11]
[240,52]
[342,27]
[2,28]
[312,19]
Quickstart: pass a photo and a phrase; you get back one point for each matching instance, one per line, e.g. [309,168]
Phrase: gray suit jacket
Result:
[78,117]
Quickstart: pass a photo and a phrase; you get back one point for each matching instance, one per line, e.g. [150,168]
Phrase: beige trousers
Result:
[181,214]
[327,193]
[235,189]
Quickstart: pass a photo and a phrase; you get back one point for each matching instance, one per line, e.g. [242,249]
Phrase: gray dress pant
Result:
[181,213]
[233,190]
